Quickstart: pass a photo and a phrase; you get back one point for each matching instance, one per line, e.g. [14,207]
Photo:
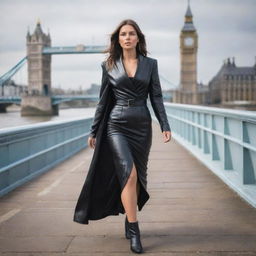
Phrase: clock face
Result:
[188,41]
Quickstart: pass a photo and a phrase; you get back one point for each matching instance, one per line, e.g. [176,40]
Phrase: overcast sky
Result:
[226,28]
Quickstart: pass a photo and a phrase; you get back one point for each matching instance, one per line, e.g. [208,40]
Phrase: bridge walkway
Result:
[190,212]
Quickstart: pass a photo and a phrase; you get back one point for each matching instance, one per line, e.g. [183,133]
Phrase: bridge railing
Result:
[223,139]
[27,151]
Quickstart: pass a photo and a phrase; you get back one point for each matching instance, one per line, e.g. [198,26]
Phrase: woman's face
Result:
[128,37]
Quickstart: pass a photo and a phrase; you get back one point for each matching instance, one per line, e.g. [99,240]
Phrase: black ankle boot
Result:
[135,237]
[127,232]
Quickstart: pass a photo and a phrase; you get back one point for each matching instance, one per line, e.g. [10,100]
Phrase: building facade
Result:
[233,84]
[12,89]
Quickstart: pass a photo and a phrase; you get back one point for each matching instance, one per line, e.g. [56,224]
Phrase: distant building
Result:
[94,89]
[10,88]
[203,95]
[233,84]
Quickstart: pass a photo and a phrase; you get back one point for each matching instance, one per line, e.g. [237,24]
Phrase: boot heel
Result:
[127,232]
[135,242]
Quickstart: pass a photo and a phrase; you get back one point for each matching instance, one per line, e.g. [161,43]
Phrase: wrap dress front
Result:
[122,127]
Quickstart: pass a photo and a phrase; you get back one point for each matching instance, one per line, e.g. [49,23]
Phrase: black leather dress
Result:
[124,138]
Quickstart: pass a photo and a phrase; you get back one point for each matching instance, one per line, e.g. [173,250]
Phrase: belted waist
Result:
[131,102]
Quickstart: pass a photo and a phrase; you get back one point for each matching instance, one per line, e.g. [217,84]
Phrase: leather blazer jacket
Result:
[146,81]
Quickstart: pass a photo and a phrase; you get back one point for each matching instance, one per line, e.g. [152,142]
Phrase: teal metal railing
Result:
[223,139]
[27,151]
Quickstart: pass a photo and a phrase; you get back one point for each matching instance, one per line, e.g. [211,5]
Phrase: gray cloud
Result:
[226,28]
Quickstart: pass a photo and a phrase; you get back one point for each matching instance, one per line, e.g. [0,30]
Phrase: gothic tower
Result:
[38,100]
[188,58]
[39,65]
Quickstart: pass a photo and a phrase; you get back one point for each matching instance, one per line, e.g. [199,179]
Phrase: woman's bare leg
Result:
[138,190]
[129,196]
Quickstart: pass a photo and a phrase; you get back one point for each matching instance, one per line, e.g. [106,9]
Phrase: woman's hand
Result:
[167,136]
[91,142]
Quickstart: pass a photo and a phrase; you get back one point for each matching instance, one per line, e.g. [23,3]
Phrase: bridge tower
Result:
[38,100]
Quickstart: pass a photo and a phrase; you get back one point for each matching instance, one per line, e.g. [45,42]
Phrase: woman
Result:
[121,133]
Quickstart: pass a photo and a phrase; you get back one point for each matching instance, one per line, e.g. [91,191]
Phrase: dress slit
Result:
[138,183]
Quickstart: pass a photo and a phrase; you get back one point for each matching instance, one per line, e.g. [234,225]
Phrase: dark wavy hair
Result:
[115,50]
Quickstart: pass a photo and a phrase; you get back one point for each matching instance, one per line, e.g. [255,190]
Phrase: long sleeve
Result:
[156,98]
[100,108]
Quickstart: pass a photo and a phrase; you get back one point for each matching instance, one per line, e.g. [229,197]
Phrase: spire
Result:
[233,62]
[28,32]
[188,26]
[48,35]
[38,30]
[189,13]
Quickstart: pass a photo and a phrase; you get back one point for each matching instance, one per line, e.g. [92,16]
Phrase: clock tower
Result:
[188,57]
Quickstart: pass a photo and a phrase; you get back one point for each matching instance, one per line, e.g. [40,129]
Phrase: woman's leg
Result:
[129,196]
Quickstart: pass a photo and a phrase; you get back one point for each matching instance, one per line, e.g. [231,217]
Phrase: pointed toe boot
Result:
[127,232]
[135,242]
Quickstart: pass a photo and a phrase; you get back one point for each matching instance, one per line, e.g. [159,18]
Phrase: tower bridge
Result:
[39,52]
[38,100]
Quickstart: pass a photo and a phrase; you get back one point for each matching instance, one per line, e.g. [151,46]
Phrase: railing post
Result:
[227,139]
[248,170]
[193,128]
[206,148]
[228,165]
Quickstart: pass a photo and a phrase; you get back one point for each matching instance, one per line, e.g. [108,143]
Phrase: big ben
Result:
[188,57]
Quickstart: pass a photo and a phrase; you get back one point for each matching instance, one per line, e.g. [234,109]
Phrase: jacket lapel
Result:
[119,72]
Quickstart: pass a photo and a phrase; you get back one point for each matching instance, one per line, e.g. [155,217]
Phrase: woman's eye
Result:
[132,34]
